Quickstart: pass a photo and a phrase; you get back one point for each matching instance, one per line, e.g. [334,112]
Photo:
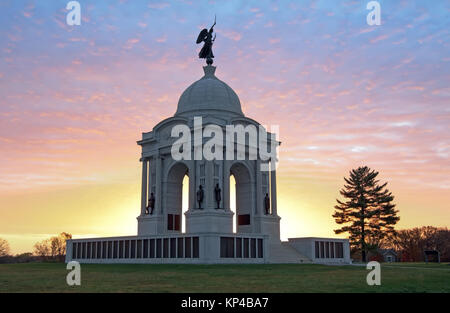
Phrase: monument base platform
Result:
[207,248]
[201,248]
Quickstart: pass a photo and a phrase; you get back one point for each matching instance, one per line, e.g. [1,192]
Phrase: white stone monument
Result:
[209,236]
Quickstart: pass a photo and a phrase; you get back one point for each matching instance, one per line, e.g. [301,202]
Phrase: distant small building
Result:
[389,255]
[432,256]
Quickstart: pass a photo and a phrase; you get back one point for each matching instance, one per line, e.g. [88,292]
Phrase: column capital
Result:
[147,158]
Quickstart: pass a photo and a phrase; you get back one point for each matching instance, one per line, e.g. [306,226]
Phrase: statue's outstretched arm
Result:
[215,22]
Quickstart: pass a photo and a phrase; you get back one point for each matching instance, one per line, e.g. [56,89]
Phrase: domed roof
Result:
[209,94]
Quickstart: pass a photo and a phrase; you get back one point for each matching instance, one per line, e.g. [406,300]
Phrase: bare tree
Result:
[54,247]
[42,248]
[4,248]
[412,242]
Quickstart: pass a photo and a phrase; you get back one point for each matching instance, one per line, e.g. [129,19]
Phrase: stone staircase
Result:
[284,253]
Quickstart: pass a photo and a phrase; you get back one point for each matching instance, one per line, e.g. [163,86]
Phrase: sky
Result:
[75,99]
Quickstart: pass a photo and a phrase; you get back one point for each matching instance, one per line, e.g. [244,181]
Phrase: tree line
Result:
[410,243]
[51,249]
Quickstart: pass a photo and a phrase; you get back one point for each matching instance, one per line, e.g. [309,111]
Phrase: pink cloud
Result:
[379,38]
[231,35]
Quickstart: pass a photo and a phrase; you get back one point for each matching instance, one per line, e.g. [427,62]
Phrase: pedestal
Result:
[269,225]
[148,224]
[209,221]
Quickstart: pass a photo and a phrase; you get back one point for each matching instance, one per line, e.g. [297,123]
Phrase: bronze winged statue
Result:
[207,37]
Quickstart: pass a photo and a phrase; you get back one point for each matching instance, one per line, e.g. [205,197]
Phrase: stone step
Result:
[283,253]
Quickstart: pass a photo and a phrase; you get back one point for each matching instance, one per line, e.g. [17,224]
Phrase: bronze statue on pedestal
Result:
[200,196]
[207,37]
[267,204]
[218,196]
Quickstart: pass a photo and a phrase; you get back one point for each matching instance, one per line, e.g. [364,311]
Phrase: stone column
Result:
[226,185]
[149,180]
[158,189]
[144,186]
[209,188]
[258,191]
[192,185]
[273,188]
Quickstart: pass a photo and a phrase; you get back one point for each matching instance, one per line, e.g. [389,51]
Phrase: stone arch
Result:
[174,196]
[244,196]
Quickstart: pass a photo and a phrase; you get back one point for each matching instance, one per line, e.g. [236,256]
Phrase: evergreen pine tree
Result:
[368,214]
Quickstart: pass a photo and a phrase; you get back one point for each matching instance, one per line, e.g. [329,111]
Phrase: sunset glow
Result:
[75,99]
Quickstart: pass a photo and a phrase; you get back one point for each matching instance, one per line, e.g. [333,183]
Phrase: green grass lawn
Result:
[51,277]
